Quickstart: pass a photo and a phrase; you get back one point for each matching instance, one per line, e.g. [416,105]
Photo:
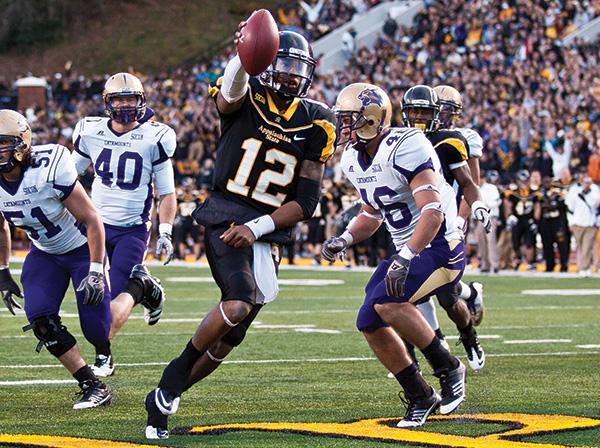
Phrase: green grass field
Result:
[305,366]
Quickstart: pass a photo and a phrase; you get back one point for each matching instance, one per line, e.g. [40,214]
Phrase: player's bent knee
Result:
[234,311]
[447,298]
[52,334]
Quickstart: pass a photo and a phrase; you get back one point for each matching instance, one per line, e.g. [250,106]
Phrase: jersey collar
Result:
[288,113]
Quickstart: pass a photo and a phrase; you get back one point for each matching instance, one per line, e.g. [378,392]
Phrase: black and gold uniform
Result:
[453,150]
[523,201]
[261,149]
[554,228]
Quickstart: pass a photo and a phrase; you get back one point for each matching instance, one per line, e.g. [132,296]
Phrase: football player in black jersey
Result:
[420,109]
[269,166]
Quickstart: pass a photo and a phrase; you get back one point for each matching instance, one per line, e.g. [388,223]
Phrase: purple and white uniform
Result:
[125,166]
[60,252]
[384,184]
[474,140]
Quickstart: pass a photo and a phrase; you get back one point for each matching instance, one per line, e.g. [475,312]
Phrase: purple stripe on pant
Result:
[422,272]
[126,247]
[45,278]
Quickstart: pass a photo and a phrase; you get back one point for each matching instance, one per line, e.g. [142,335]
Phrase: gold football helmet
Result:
[124,85]
[15,139]
[450,105]
[364,109]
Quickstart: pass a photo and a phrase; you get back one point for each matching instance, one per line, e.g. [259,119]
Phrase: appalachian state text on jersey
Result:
[261,150]
[123,165]
[34,203]
[384,182]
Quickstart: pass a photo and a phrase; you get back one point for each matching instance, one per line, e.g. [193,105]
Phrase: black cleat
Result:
[453,389]
[153,297]
[93,393]
[417,410]
[159,405]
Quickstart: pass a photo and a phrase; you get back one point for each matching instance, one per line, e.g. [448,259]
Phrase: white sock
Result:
[464,290]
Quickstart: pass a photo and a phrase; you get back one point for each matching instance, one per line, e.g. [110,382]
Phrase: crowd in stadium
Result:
[533,100]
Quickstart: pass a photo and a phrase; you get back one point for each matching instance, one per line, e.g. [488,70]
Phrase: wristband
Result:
[407,253]
[165,227]
[261,226]
[96,267]
[347,236]
[4,266]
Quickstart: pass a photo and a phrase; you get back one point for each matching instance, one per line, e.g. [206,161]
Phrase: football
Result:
[259,42]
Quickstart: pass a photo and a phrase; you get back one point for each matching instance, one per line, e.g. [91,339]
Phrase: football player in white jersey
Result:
[40,194]
[128,153]
[398,175]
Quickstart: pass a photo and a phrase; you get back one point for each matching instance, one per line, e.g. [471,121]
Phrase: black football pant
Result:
[555,231]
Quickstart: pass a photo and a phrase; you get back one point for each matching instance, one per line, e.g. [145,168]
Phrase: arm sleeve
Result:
[412,154]
[80,155]
[321,146]
[164,178]
[62,174]
[165,147]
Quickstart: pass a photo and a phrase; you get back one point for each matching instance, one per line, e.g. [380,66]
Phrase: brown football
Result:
[259,42]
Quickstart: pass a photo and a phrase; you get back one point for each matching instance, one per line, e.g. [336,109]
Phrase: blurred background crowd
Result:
[534,100]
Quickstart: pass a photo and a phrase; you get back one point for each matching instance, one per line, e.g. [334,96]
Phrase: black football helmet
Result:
[420,108]
[291,72]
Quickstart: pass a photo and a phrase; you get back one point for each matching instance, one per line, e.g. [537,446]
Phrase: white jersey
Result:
[384,184]
[474,140]
[34,203]
[124,166]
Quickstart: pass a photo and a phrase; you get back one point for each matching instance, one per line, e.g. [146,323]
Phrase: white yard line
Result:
[538,341]
[561,292]
[300,360]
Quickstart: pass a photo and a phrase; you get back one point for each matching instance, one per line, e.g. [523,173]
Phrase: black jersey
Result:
[261,149]
[452,150]
[523,201]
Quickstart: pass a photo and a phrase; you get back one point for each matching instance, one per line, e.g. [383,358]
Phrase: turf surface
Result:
[304,362]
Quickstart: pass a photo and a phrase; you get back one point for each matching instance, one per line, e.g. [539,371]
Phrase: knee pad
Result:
[236,335]
[448,296]
[51,334]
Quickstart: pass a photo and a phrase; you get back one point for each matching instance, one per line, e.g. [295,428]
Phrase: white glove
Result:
[511,221]
[481,213]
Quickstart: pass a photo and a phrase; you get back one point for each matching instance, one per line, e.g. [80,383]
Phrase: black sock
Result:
[439,358]
[175,375]
[467,332]
[440,334]
[135,287]
[410,349]
[103,348]
[413,382]
[85,374]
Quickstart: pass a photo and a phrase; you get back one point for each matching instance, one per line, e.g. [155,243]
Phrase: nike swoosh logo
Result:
[297,139]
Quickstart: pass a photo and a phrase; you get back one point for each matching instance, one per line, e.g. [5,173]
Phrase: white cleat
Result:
[103,366]
[475,305]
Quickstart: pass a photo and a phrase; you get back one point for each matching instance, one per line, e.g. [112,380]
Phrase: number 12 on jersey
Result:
[239,183]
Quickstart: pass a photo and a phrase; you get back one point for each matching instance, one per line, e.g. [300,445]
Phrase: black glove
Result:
[93,288]
[8,287]
[333,247]
[396,276]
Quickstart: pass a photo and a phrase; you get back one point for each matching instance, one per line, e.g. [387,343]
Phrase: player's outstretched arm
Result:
[362,227]
[472,196]
[308,192]
[235,82]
